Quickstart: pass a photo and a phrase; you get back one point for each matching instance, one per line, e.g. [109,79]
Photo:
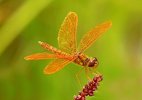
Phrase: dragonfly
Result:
[68,51]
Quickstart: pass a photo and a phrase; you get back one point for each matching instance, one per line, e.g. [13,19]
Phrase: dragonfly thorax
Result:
[83,60]
[93,62]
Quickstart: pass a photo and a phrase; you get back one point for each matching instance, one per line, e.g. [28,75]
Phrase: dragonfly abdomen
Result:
[49,47]
[59,53]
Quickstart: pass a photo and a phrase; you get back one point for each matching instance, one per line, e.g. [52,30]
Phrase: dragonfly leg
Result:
[93,71]
[77,76]
[87,73]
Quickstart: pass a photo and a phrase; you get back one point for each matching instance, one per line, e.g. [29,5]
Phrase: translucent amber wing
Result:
[92,35]
[55,66]
[67,33]
[40,56]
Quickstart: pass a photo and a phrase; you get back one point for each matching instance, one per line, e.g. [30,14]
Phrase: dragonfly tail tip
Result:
[39,42]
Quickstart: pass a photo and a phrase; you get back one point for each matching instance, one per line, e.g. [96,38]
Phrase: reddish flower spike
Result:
[89,88]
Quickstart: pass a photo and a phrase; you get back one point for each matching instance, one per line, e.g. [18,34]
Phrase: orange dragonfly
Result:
[68,51]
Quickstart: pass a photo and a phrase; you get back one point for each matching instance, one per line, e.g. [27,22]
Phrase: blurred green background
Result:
[119,50]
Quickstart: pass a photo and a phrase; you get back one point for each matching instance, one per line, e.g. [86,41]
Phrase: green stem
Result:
[19,20]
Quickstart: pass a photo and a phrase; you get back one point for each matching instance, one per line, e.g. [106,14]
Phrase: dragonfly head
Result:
[93,62]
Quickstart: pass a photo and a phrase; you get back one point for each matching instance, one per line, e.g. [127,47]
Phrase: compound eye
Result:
[91,64]
[95,59]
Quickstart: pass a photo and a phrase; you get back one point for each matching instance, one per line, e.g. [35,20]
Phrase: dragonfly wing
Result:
[67,33]
[92,35]
[56,65]
[40,56]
